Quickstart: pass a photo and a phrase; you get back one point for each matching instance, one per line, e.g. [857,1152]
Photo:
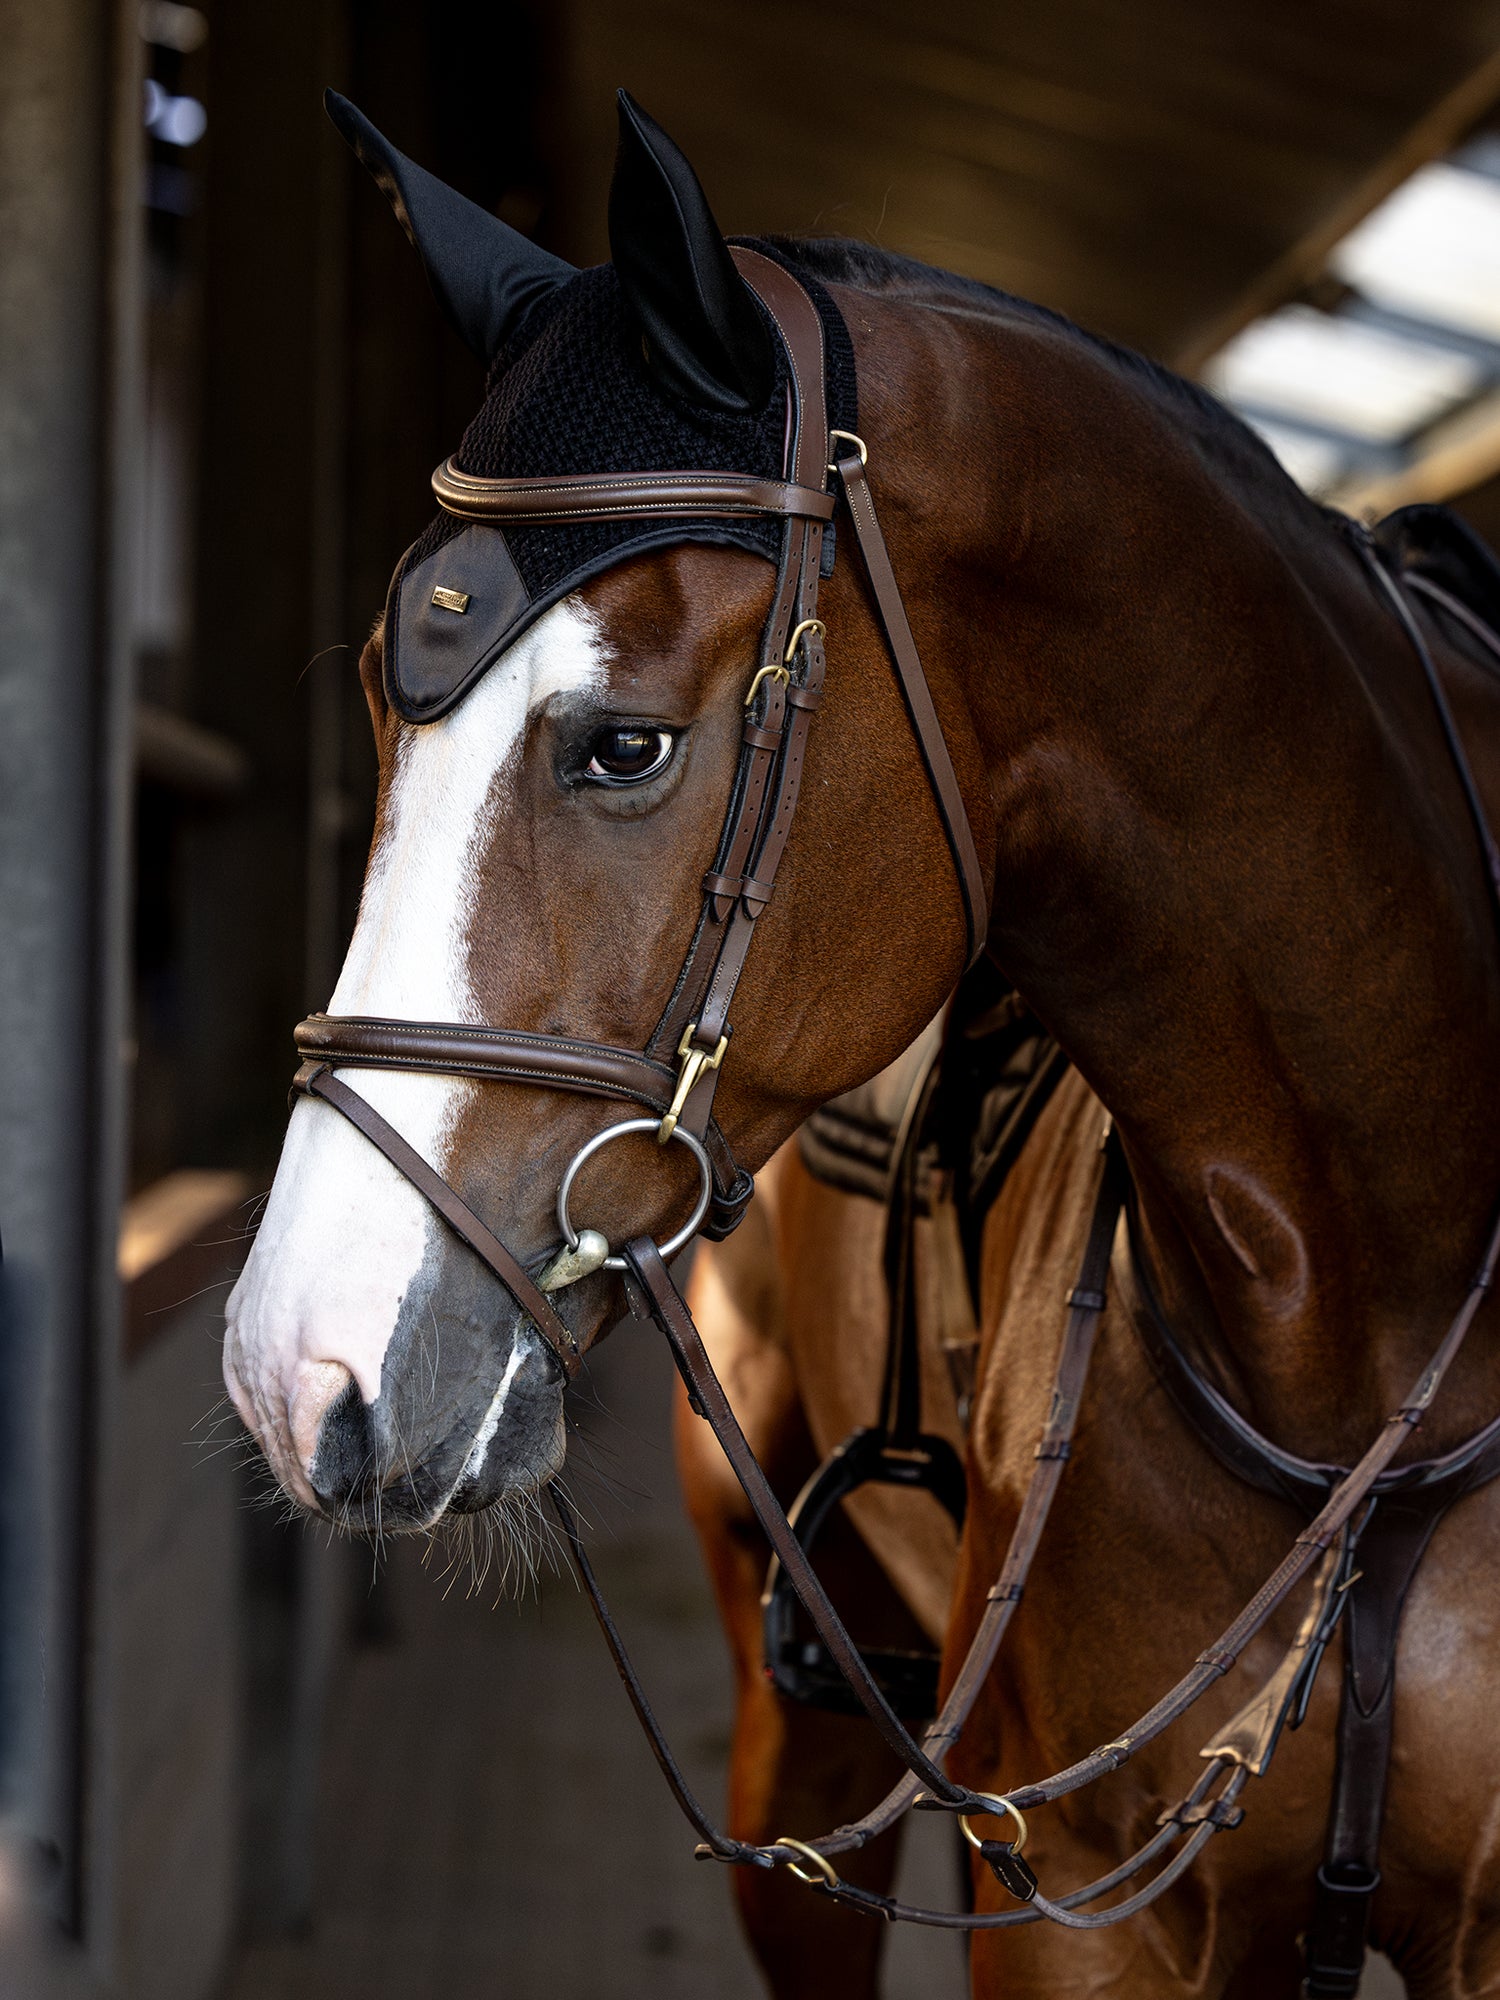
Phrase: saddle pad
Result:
[853,1142]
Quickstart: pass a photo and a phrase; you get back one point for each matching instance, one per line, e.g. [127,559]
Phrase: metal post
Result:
[69,175]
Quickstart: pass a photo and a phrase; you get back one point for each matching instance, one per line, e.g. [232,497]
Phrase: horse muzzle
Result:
[441,1438]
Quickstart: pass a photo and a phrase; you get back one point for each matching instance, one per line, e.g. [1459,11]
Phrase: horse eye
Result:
[627,752]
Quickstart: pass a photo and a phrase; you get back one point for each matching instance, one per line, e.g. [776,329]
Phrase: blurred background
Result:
[234,1761]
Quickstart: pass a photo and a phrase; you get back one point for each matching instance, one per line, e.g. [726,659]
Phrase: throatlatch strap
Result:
[941,775]
[314,1080]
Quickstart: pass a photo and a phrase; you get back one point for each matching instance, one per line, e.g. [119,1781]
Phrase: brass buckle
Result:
[849,438]
[776,671]
[807,625]
[694,1063]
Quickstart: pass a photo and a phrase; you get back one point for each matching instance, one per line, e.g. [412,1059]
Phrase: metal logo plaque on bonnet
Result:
[451,614]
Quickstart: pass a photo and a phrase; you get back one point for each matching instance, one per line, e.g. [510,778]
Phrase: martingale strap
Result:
[1241,1750]
[1194,1820]
[669,1312]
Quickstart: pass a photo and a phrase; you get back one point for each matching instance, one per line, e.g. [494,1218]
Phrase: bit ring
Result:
[997,1806]
[586,1152]
[827,1872]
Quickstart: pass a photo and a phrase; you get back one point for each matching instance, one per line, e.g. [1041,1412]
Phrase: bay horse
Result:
[1230,865]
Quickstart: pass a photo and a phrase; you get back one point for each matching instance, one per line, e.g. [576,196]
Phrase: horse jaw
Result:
[344,1237]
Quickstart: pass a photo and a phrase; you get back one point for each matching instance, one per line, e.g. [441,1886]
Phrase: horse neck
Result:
[1236,877]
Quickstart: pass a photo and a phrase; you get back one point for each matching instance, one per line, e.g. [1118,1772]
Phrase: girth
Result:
[676,1076]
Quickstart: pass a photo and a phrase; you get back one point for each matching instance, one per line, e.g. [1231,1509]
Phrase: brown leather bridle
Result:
[674,1080]
[675,1077]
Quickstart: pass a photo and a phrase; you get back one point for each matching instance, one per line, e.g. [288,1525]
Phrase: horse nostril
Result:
[343,1447]
[316,1387]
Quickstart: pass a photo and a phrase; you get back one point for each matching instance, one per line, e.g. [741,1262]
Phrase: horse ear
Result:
[485,275]
[705,338]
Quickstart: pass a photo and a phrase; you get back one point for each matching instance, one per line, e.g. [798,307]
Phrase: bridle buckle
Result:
[781,670]
[694,1063]
[776,671]
[799,633]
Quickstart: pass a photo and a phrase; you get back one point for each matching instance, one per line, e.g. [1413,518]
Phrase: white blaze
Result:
[343,1233]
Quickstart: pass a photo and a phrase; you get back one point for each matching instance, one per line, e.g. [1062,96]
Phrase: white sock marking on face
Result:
[343,1233]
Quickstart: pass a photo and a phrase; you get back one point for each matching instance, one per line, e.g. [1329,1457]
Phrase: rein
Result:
[674,1080]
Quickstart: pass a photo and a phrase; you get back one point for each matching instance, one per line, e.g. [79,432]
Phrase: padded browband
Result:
[611,496]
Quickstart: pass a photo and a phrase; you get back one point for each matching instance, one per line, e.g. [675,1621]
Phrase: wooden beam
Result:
[1458,456]
[1435,133]
[180,1237]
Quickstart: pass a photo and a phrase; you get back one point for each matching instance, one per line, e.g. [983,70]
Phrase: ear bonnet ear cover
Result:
[570,391]
[485,275]
[706,341]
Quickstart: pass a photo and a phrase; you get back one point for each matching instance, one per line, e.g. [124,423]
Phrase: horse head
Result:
[562,712]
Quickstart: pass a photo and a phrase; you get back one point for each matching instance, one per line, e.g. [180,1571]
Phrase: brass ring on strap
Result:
[600,1139]
[850,438]
[999,1807]
[827,1873]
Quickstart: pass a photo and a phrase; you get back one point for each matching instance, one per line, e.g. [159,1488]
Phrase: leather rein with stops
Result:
[694,1030]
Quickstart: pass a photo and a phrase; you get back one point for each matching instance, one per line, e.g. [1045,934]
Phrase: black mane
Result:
[837,260]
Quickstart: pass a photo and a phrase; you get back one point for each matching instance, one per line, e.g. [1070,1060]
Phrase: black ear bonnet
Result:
[572,389]
[573,395]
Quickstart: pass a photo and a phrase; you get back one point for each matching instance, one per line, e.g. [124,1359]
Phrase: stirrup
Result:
[797,1663]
